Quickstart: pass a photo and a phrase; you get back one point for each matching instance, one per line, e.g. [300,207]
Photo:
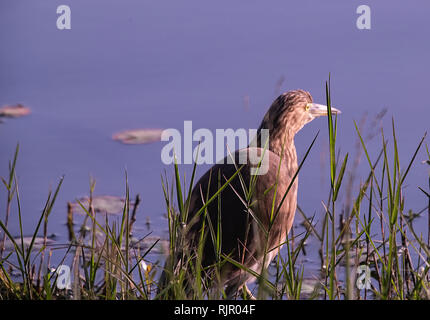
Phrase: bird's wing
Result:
[237,210]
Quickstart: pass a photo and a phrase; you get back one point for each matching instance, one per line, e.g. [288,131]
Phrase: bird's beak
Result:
[318,110]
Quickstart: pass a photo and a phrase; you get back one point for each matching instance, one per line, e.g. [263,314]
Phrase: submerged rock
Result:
[138,136]
[105,204]
[14,111]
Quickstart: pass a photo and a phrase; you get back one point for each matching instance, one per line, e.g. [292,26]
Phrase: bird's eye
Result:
[308,106]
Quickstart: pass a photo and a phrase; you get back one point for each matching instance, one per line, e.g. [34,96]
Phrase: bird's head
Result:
[291,111]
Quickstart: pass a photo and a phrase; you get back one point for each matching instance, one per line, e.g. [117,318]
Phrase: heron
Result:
[248,230]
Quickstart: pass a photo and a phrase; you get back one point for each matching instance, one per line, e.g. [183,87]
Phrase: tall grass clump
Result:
[105,261]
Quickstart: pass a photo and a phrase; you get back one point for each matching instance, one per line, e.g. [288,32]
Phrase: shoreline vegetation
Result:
[373,232]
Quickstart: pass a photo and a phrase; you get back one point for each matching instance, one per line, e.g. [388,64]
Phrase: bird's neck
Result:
[283,145]
[281,142]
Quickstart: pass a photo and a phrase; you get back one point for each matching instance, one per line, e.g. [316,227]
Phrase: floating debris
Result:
[38,244]
[156,245]
[147,245]
[111,205]
[14,111]
[138,136]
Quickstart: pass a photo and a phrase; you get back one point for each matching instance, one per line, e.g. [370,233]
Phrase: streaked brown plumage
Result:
[242,238]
